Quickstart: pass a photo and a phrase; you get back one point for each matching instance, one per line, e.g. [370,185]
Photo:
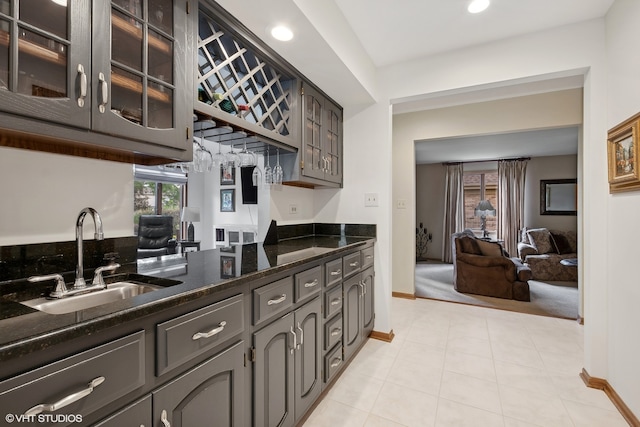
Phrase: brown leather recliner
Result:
[481,267]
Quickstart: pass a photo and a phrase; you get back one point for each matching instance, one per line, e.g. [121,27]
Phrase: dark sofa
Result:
[481,267]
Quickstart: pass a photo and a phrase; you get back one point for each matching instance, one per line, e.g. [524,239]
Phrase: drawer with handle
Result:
[332,332]
[332,301]
[332,363]
[308,283]
[351,263]
[184,337]
[272,299]
[367,257]
[333,272]
[79,384]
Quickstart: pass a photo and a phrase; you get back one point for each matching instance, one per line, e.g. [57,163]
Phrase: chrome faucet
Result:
[99,235]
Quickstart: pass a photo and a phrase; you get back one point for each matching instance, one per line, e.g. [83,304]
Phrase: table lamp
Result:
[190,215]
[483,210]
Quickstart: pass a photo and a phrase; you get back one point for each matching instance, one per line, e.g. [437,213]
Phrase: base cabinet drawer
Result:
[79,384]
[136,414]
[332,332]
[272,299]
[367,257]
[351,263]
[308,283]
[183,338]
[333,272]
[332,301]
[332,363]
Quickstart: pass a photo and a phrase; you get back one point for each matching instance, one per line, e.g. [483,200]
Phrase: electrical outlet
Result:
[370,199]
[401,204]
[293,209]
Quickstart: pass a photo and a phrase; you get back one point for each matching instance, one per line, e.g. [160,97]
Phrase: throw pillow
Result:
[561,243]
[540,239]
[490,248]
[524,238]
[469,245]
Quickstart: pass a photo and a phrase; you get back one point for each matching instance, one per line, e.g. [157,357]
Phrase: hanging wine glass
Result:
[232,158]
[246,157]
[196,164]
[277,170]
[267,171]
[218,158]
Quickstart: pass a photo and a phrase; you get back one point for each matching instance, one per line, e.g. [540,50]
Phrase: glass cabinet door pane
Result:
[160,57]
[161,15]
[50,16]
[126,40]
[42,66]
[160,101]
[126,95]
[5,39]
[134,7]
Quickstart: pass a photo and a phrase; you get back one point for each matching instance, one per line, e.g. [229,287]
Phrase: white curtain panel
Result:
[511,177]
[453,207]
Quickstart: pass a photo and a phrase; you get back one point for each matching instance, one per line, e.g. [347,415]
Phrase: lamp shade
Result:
[190,214]
[485,208]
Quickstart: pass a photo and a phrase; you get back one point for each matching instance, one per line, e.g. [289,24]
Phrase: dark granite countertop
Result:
[24,330]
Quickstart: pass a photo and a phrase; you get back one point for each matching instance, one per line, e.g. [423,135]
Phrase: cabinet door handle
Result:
[336,362]
[335,301]
[335,332]
[311,284]
[73,397]
[295,340]
[336,273]
[301,336]
[364,287]
[83,85]
[354,264]
[164,419]
[277,300]
[361,289]
[211,333]
[369,256]
[104,91]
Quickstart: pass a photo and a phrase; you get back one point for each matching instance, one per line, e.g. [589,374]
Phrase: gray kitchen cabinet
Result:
[368,307]
[321,137]
[120,69]
[352,315]
[138,414]
[287,366]
[212,393]
[79,384]
[45,60]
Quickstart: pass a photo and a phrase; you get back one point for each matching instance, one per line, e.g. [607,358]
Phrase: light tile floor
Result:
[459,365]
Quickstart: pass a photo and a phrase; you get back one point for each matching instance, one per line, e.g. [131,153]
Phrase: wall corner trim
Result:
[602,384]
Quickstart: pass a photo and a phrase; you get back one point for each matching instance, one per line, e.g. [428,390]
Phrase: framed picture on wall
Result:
[622,155]
[227,267]
[228,200]
[227,175]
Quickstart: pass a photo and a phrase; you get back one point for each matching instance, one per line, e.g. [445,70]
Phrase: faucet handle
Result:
[97,274]
[61,288]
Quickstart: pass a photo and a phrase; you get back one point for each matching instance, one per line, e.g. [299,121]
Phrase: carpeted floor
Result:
[557,299]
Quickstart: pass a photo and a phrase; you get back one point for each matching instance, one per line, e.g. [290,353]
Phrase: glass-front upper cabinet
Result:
[140,70]
[45,60]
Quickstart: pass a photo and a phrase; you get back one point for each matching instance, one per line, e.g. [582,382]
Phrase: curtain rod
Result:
[484,161]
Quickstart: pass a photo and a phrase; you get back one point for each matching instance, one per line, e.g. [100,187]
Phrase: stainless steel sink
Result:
[115,292]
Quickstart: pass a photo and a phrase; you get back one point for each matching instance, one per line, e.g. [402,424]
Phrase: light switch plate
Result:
[401,204]
[370,199]
[293,209]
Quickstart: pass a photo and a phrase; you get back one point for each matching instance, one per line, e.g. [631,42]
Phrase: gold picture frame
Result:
[622,155]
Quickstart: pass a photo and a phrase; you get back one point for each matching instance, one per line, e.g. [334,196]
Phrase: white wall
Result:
[620,231]
[43,193]
[551,167]
[430,181]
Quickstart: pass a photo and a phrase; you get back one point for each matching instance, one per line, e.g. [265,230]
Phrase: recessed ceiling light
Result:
[477,6]
[282,33]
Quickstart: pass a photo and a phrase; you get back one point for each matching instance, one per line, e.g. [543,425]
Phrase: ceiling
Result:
[539,143]
[340,44]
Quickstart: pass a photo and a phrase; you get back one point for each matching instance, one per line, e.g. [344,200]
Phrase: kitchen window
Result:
[159,190]
[480,185]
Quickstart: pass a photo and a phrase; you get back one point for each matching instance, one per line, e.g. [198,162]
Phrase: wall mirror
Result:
[558,197]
